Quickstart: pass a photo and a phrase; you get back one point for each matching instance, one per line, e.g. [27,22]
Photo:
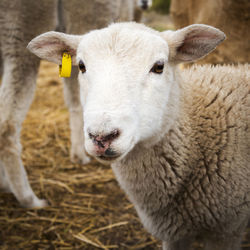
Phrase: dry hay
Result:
[87,208]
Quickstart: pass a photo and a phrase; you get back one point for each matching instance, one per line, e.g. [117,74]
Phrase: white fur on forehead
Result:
[134,26]
[124,39]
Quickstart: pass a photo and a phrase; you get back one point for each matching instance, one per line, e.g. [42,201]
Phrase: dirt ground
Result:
[88,210]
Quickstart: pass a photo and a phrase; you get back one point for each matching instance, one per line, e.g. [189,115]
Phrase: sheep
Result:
[177,141]
[233,17]
[139,7]
[20,21]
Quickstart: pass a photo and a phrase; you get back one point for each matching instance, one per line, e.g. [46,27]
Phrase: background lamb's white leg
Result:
[18,85]
[17,181]
[72,100]
[16,93]
[73,21]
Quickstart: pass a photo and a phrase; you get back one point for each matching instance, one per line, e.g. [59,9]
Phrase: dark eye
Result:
[158,67]
[82,66]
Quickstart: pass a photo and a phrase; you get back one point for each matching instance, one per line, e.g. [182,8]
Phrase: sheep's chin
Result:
[108,160]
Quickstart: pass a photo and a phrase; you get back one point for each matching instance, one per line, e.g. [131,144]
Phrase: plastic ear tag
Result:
[65,68]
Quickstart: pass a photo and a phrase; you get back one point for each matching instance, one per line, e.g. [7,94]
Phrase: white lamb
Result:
[178,142]
[20,21]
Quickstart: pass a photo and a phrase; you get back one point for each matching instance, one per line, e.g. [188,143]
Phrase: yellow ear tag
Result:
[65,68]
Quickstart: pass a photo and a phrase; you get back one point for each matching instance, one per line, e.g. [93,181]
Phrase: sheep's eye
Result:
[158,67]
[82,66]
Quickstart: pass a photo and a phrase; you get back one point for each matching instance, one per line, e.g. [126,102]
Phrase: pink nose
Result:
[102,142]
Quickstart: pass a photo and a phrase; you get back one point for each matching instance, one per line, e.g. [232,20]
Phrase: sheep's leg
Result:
[18,85]
[226,242]
[3,182]
[17,181]
[230,243]
[72,100]
[73,22]
[16,92]
[177,245]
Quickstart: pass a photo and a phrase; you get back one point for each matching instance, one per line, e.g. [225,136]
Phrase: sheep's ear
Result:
[51,45]
[192,42]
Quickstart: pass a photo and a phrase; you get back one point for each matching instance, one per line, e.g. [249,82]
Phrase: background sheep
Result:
[233,17]
[139,6]
[178,142]
[20,21]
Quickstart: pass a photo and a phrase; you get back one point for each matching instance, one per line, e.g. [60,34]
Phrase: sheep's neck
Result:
[154,178]
[161,164]
[165,157]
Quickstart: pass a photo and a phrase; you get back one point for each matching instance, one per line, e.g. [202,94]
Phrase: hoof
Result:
[40,204]
[35,203]
[80,159]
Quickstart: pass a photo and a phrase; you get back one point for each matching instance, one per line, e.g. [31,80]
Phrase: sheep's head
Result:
[126,75]
[144,4]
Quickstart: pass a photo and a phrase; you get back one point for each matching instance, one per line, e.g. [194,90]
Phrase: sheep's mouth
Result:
[108,158]
[108,155]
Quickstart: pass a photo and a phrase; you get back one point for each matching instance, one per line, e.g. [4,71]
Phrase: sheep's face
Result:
[144,4]
[128,89]
[125,81]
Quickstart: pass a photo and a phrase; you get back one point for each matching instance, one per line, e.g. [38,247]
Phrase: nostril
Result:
[100,144]
[110,137]
[91,136]
[104,141]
